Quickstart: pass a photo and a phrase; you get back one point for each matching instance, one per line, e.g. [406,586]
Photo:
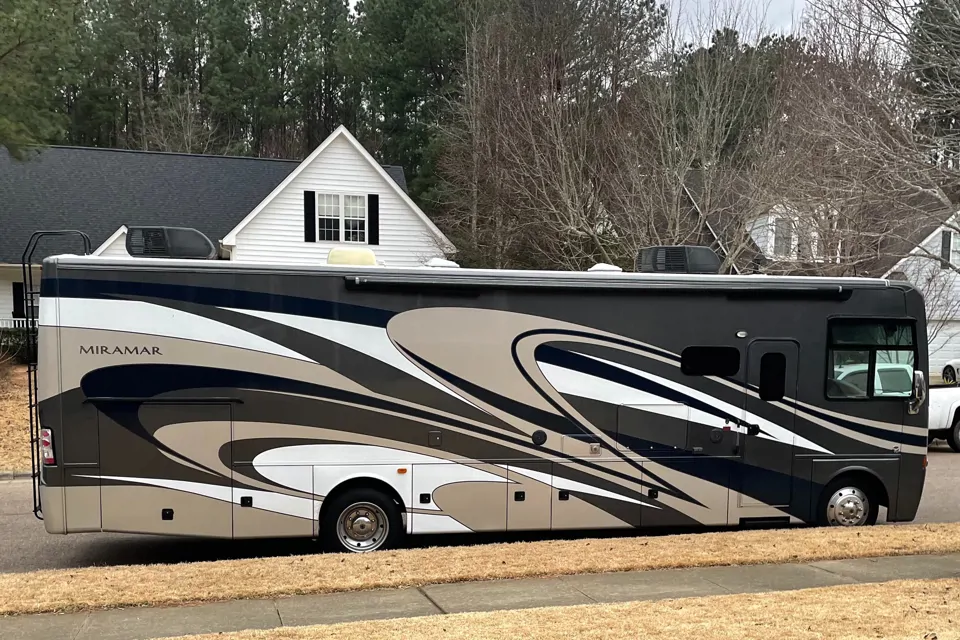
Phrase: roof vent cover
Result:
[169,242]
[678,259]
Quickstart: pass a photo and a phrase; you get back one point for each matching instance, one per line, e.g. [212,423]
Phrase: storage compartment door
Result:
[162,470]
[449,497]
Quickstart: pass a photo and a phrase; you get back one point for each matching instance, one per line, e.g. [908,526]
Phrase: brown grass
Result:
[14,419]
[914,609]
[106,587]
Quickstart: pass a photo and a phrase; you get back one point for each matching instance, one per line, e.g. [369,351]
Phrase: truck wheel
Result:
[361,520]
[847,502]
[953,436]
[949,375]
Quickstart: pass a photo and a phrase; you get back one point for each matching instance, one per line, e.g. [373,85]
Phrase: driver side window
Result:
[869,358]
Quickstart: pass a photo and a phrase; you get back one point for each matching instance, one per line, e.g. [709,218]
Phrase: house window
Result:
[341,218]
[783,237]
[328,217]
[949,248]
[354,218]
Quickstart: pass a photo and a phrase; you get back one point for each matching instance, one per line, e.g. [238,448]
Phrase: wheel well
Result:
[866,481]
[361,483]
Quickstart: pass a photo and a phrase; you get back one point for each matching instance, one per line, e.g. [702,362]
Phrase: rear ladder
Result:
[31,294]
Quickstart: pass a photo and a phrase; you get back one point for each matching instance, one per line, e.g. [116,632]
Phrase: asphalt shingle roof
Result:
[98,190]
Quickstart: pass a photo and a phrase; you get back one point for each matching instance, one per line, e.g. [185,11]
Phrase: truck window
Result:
[870,358]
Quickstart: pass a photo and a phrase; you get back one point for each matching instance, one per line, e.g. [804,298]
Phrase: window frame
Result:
[788,225]
[872,350]
[342,217]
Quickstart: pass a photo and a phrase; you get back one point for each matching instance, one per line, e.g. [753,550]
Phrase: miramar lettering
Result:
[103,350]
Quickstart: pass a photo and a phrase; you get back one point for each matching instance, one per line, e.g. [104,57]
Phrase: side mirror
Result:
[919,393]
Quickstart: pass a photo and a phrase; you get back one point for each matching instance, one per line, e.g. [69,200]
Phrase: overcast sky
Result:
[776,15]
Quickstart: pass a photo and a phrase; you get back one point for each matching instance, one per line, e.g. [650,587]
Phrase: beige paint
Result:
[713,496]
[480,506]
[82,509]
[136,509]
[535,510]
[250,522]
[48,362]
[54,515]
[577,514]
[185,352]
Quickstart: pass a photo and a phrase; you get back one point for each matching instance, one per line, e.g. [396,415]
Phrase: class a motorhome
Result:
[353,402]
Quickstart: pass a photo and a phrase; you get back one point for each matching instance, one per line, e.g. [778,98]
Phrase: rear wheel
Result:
[361,520]
[949,375]
[953,436]
[848,502]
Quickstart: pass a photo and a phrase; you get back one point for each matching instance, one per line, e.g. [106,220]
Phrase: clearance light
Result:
[401,470]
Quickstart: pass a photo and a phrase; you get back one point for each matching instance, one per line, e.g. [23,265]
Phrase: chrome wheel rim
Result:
[363,526]
[848,507]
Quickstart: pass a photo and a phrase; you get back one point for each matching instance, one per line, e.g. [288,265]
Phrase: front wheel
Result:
[846,503]
[361,520]
[953,436]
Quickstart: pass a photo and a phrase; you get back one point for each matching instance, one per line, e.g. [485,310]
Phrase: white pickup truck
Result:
[944,420]
[895,379]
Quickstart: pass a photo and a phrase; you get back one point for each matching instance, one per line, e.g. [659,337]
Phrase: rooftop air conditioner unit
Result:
[678,259]
[169,242]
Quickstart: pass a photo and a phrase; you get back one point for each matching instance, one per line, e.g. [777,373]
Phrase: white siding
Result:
[944,344]
[941,293]
[761,230]
[276,233]
[6,297]
[117,248]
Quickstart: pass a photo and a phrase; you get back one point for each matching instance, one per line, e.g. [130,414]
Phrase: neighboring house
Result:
[925,251]
[257,210]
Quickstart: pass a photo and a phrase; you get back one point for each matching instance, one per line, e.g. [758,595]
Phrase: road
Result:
[25,546]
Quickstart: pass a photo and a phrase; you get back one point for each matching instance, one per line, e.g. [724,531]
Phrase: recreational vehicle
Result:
[356,403]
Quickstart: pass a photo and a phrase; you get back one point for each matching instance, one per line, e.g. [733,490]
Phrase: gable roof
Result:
[97,190]
[230,239]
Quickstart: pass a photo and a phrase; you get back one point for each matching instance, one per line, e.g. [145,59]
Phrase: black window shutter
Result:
[309,216]
[19,306]
[946,237]
[373,218]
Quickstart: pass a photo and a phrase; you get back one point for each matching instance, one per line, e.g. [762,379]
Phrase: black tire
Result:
[826,515]
[953,436]
[364,512]
[949,375]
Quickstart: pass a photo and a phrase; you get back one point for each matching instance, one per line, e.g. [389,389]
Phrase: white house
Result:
[258,210]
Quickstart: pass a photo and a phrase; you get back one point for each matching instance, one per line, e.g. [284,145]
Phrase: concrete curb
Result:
[14,474]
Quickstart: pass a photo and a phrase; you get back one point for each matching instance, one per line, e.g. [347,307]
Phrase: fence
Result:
[15,323]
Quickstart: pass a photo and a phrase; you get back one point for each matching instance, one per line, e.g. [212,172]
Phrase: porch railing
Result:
[16,323]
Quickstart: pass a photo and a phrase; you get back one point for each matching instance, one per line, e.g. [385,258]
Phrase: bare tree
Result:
[178,124]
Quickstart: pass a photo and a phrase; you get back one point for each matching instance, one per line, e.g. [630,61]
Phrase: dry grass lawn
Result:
[106,587]
[14,419]
[914,609]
